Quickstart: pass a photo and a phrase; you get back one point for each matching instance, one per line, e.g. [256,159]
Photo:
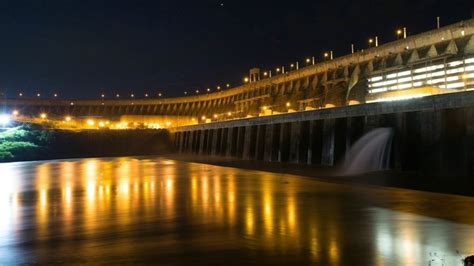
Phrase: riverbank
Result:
[407,180]
[30,142]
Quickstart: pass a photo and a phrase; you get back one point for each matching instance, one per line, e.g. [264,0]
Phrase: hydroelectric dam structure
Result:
[421,86]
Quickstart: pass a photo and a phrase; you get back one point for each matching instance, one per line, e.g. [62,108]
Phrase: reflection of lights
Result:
[249,223]
[43,197]
[91,190]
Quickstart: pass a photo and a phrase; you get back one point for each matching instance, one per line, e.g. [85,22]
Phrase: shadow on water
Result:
[370,153]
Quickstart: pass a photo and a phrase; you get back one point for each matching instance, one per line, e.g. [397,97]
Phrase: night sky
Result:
[83,48]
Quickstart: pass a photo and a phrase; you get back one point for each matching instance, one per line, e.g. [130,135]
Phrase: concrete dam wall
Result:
[433,135]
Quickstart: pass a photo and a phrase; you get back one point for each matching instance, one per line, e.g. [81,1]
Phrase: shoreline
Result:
[387,179]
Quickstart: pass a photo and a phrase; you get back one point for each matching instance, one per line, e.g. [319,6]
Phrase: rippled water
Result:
[154,210]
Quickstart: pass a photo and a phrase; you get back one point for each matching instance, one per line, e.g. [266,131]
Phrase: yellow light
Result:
[203,117]
[193,119]
[168,124]
[215,116]
[288,104]
[371,40]
[15,113]
[399,32]
[90,122]
[67,118]
[278,69]
[107,122]
[292,65]
[246,79]
[265,73]
[135,123]
[264,108]
[229,114]
[101,124]
[308,60]
[43,116]
[227,85]
[326,54]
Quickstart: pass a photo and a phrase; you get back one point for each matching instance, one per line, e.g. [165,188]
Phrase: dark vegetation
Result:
[33,142]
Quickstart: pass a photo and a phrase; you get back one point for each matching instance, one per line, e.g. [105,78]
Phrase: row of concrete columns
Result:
[313,142]
[434,142]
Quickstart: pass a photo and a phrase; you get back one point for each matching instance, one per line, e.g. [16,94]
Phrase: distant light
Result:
[264,108]
[15,113]
[278,69]
[203,117]
[215,116]
[292,65]
[218,87]
[117,95]
[265,73]
[101,124]
[308,60]
[55,95]
[4,120]
[399,31]
[132,95]
[103,95]
[288,104]
[185,93]
[326,54]
[159,94]
[43,115]
[90,122]
[72,103]
[68,118]
[197,91]
[246,79]
[20,94]
[227,85]
[146,94]
[229,114]
[168,124]
[208,89]
[38,95]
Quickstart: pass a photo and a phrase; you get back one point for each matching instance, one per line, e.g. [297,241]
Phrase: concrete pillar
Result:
[327,157]
[260,146]
[304,142]
[469,149]
[216,141]
[247,143]
[340,139]
[271,142]
[223,144]
[210,137]
[294,141]
[430,134]
[203,141]
[284,145]
[231,141]
[240,142]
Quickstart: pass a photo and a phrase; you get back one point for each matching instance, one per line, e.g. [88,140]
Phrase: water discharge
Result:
[370,153]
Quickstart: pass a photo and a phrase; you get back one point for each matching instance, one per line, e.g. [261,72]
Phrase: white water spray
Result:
[370,153]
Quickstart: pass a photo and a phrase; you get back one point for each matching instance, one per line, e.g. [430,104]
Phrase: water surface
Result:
[154,210]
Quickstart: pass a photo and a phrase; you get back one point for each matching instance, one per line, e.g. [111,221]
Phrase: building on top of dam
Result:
[433,62]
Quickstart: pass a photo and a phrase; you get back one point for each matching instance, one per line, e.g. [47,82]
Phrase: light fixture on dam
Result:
[4,120]
[453,76]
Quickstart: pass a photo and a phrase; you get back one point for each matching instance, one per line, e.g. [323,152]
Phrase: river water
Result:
[155,210]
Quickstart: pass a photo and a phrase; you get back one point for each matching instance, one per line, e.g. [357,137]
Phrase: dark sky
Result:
[82,48]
